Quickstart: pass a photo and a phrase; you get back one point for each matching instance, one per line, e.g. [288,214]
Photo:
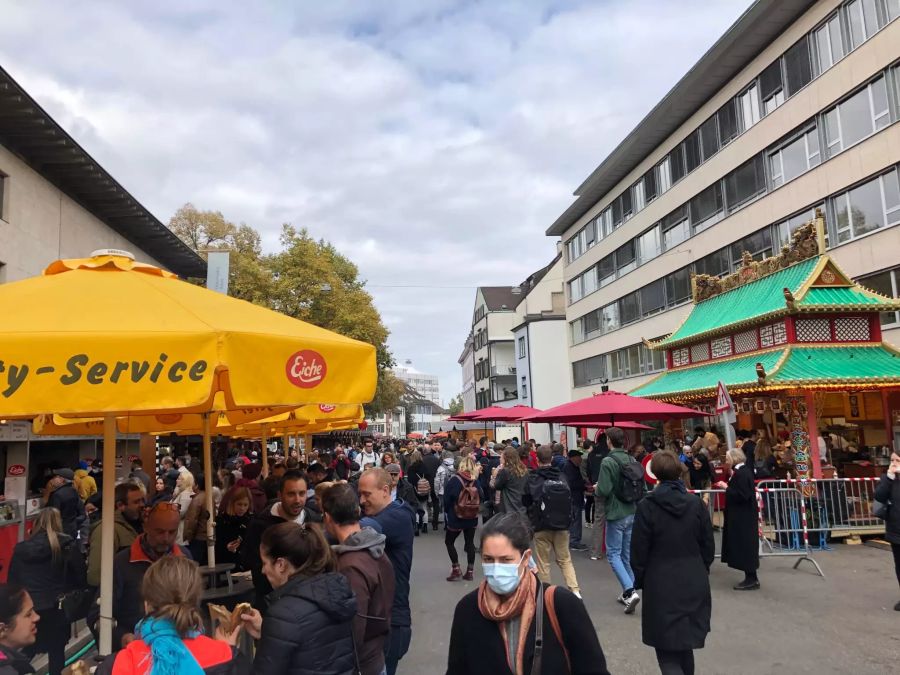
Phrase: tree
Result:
[307,279]
[456,405]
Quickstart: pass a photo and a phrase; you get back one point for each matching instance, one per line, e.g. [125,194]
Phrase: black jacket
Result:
[592,461]
[13,662]
[672,548]
[575,481]
[476,645]
[888,492]
[33,567]
[71,508]
[740,536]
[431,461]
[407,492]
[533,488]
[414,474]
[308,628]
[229,528]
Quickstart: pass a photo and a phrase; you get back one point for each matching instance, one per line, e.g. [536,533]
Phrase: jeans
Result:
[575,527]
[589,509]
[618,550]
[675,663]
[396,646]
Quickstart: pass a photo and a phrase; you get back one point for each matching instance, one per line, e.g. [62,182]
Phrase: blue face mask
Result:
[503,578]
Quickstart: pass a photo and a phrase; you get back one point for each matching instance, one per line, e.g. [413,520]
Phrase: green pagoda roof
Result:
[819,366]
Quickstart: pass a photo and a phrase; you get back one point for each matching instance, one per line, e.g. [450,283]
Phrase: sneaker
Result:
[578,547]
[631,602]
[595,557]
[577,594]
[746,585]
[621,599]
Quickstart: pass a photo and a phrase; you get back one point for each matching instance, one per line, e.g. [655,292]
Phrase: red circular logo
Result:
[306,369]
[327,408]
[16,470]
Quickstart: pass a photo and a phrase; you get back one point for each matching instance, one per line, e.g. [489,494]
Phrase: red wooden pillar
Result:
[886,413]
[815,461]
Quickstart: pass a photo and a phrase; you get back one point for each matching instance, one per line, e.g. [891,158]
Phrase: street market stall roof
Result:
[498,413]
[610,406]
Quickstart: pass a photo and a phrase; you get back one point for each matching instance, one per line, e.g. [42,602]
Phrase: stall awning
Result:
[796,366]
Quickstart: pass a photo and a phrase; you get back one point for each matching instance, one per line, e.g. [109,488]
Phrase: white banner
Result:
[217,271]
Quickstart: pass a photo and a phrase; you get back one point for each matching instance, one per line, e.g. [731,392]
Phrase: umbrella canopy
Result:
[415,435]
[106,335]
[498,413]
[464,417]
[604,425]
[611,406]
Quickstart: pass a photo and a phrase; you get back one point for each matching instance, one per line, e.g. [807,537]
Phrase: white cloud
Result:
[433,142]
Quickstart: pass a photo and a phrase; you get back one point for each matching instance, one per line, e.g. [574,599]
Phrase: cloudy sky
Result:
[432,141]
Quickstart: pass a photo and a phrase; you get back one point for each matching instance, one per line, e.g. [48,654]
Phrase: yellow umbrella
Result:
[106,335]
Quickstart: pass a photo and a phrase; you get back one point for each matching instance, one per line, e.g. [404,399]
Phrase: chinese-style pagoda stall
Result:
[799,346]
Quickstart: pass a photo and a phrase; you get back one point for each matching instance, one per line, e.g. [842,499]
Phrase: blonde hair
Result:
[468,465]
[737,456]
[172,587]
[187,483]
[49,520]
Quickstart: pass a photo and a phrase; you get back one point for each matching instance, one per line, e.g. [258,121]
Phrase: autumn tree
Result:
[307,279]
[456,405]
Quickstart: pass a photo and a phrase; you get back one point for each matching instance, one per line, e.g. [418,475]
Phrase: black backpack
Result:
[630,487]
[554,505]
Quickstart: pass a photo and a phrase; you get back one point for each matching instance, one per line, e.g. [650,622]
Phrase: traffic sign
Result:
[723,399]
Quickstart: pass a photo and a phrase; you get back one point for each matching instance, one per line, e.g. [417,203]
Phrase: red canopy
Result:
[603,425]
[463,417]
[611,406]
[498,413]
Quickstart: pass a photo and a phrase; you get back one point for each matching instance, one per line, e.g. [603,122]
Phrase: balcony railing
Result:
[500,371]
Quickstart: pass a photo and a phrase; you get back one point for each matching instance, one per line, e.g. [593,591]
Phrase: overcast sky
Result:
[433,142]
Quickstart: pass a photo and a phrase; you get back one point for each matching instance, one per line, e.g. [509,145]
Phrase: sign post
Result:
[725,409]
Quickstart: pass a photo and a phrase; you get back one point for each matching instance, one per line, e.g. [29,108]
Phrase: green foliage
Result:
[456,405]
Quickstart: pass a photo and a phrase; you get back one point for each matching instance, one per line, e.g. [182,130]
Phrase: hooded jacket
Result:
[444,472]
[70,506]
[33,567]
[672,548]
[397,521]
[362,559]
[308,627]
[124,535]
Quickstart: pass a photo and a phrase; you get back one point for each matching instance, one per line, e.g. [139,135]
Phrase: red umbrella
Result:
[603,425]
[610,406]
[498,413]
[464,417]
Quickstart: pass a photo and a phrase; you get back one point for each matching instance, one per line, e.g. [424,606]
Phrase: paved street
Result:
[797,623]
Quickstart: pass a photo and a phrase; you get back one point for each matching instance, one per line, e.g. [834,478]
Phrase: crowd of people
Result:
[328,540]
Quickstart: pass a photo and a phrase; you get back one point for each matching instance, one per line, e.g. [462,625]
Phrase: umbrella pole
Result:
[207,486]
[107,532]
[287,439]
[265,455]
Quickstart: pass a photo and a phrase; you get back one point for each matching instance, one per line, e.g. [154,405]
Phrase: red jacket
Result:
[214,656]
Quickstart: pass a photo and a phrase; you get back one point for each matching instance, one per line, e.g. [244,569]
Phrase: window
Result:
[795,157]
[786,228]
[604,223]
[678,287]
[2,193]
[591,324]
[748,108]
[709,138]
[692,151]
[676,163]
[524,387]
[627,205]
[630,308]
[650,188]
[758,245]
[589,371]
[625,259]
[653,298]
[857,117]
[727,118]
[637,195]
[798,66]
[893,9]
[745,183]
[610,315]
[606,269]
[828,43]
[589,281]
[632,360]
[862,15]
[868,207]
[770,87]
[648,245]
[575,292]
[706,206]
[664,175]
[522,348]
[886,284]
[675,228]
[715,264]
[590,235]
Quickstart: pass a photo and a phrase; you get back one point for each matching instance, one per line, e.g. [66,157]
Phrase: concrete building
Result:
[428,386]
[466,361]
[492,346]
[794,108]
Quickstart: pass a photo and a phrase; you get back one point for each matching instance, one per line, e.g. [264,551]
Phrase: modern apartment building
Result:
[428,386]
[492,345]
[794,109]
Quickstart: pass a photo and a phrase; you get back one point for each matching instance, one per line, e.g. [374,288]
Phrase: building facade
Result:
[466,361]
[428,386]
[492,346]
[794,109]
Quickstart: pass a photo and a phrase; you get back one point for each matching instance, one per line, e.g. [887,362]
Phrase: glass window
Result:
[653,297]
[650,190]
[591,324]
[616,367]
[633,360]
[637,195]
[577,333]
[678,287]
[627,205]
[859,211]
[648,245]
[692,151]
[890,183]
[675,228]
[715,264]
[617,212]
[605,222]
[606,269]
[893,9]
[798,66]
[795,158]
[589,282]
[786,228]
[748,107]
[706,206]
[590,235]
[886,284]
[770,86]
[625,257]
[589,371]
[676,163]
[862,16]
[575,290]
[630,308]
[855,120]
[745,183]
[610,315]
[758,245]
[828,43]
[727,122]
[880,109]
[663,175]
[709,138]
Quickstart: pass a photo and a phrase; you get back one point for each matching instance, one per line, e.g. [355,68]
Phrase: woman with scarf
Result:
[169,638]
[495,626]
[672,549]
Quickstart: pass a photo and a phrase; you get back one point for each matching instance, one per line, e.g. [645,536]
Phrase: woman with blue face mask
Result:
[512,624]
